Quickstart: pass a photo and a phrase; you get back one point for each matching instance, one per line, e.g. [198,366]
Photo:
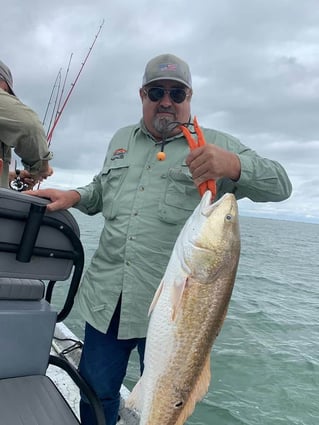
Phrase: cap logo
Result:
[167,67]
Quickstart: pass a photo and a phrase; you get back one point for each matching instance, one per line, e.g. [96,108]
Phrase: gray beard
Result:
[164,126]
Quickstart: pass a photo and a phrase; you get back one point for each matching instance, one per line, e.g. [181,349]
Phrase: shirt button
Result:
[141,188]
[128,263]
[131,238]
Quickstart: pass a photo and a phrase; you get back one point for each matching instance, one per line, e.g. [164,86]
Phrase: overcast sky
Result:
[255,68]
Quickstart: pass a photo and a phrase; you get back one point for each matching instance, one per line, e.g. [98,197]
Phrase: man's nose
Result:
[166,100]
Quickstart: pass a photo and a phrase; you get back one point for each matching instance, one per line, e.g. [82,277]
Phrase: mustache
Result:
[169,109]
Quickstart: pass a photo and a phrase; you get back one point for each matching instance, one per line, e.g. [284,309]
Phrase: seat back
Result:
[34,244]
[37,245]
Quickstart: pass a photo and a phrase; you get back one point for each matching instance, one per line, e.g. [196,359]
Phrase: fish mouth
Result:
[208,206]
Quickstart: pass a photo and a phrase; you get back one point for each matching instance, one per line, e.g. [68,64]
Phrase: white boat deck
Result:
[64,339]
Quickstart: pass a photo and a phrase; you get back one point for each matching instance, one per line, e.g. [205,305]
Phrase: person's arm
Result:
[87,199]
[60,199]
[239,169]
[262,179]
[21,129]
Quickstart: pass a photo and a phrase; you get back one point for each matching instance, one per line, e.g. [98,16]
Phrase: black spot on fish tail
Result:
[179,404]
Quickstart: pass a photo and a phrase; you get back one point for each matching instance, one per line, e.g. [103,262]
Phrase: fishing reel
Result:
[18,184]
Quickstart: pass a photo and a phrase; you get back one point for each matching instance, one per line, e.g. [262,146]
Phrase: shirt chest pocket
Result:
[180,196]
[112,179]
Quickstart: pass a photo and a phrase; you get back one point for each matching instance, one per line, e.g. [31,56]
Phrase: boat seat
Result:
[37,396]
[21,289]
[37,249]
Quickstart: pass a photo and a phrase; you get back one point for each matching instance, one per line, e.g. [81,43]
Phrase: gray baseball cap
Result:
[5,74]
[167,67]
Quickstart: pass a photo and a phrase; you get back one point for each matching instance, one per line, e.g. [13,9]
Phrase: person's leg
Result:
[103,365]
[141,351]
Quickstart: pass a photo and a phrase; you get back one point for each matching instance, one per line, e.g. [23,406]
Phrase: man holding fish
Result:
[146,191]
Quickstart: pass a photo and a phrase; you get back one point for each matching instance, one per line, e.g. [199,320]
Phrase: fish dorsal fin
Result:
[134,400]
[199,391]
[177,295]
[156,297]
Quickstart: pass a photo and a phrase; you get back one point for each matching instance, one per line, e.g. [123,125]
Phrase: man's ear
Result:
[142,93]
[4,86]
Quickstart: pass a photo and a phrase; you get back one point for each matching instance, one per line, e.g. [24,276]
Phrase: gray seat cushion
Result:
[26,331]
[21,289]
[33,400]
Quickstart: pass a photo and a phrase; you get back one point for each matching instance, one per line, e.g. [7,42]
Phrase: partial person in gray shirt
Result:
[22,131]
[145,203]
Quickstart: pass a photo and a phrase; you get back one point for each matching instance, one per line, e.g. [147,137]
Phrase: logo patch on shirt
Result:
[118,154]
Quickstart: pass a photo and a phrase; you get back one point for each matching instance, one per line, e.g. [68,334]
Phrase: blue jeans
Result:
[103,365]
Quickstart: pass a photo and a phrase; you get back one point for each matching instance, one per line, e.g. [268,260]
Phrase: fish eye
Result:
[228,217]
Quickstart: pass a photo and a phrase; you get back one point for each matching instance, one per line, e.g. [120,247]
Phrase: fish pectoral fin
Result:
[134,400]
[156,297]
[177,295]
[199,391]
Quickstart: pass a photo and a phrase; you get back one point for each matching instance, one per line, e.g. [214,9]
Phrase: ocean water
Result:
[265,362]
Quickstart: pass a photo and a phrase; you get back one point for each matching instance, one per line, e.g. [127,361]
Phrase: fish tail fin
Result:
[199,391]
[134,400]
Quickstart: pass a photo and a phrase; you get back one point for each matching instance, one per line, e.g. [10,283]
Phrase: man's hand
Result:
[210,162]
[31,179]
[25,178]
[60,199]
[45,171]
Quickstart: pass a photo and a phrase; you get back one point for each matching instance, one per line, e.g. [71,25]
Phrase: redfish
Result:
[187,313]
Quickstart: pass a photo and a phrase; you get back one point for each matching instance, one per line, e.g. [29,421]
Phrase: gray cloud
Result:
[255,67]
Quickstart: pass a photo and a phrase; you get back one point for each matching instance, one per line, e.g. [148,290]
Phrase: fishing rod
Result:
[56,86]
[55,101]
[59,113]
[17,184]
[60,99]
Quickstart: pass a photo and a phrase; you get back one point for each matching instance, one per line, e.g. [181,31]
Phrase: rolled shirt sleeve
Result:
[21,129]
[261,179]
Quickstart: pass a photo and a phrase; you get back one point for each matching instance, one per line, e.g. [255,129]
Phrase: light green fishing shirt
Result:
[20,129]
[145,203]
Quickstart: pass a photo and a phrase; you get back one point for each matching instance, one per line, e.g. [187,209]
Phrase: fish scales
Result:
[188,312]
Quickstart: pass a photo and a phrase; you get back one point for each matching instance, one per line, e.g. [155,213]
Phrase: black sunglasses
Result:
[178,95]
